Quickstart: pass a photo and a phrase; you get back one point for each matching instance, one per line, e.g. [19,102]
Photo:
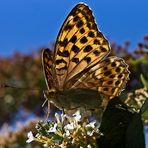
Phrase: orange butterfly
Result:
[79,73]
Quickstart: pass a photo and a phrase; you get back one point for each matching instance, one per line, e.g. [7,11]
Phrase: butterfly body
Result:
[70,99]
[79,70]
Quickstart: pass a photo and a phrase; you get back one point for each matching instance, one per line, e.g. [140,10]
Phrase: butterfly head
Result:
[49,94]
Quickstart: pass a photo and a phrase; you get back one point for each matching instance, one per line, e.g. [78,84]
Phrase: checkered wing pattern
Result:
[80,57]
[79,45]
[47,61]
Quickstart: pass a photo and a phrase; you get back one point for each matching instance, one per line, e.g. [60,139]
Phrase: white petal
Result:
[57,117]
[67,133]
[91,124]
[69,126]
[90,133]
[77,116]
[53,129]
[30,137]
[89,146]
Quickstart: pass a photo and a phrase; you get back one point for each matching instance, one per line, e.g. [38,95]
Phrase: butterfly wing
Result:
[47,62]
[79,45]
[108,77]
[79,60]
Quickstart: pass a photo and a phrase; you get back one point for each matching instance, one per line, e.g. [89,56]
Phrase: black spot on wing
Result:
[68,27]
[107,73]
[76,18]
[112,76]
[80,24]
[75,49]
[75,60]
[65,53]
[87,59]
[91,34]
[120,76]
[118,69]
[105,89]
[88,48]
[113,64]
[63,43]
[89,25]
[103,49]
[73,39]
[117,83]
[82,30]
[97,42]
[110,82]
[105,68]
[83,40]
[96,52]
[60,61]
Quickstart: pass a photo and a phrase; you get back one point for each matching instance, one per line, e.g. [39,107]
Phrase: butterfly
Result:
[78,73]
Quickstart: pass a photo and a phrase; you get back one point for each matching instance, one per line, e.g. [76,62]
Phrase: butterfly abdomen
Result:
[74,98]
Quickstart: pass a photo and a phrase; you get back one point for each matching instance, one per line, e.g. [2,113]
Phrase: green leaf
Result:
[144,81]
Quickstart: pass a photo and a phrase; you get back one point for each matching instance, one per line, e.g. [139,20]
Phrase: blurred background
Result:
[28,26]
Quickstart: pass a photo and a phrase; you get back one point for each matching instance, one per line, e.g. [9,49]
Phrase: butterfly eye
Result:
[48,94]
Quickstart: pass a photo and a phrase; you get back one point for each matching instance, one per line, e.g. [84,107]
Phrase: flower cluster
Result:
[66,131]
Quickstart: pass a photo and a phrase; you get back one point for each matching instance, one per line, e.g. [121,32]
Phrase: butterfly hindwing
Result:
[108,77]
[114,75]
[79,44]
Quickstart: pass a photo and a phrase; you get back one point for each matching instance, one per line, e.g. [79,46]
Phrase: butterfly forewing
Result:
[79,45]
[47,60]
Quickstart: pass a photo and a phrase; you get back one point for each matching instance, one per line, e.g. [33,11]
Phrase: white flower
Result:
[53,129]
[90,133]
[67,133]
[77,116]
[101,134]
[70,126]
[30,137]
[57,117]
[97,130]
[91,124]
[89,146]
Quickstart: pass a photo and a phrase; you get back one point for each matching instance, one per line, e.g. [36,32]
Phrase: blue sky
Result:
[26,25]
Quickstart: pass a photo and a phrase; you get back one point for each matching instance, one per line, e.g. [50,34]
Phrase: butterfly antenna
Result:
[48,112]
[44,102]
[4,85]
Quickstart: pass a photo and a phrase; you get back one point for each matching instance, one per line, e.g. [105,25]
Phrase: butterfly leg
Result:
[48,111]
[63,111]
